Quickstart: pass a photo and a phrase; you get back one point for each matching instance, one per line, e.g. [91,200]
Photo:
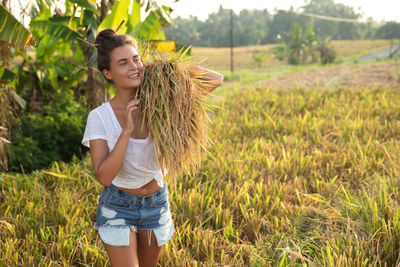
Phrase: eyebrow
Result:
[125,59]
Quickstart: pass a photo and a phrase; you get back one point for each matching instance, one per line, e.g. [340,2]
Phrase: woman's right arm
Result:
[106,165]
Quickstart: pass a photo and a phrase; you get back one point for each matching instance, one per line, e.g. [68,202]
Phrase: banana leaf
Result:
[56,30]
[149,28]
[6,75]
[12,31]
[119,12]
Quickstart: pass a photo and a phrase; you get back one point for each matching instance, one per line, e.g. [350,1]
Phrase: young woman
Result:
[133,216]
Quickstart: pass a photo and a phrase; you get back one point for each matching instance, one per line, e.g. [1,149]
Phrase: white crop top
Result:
[140,164]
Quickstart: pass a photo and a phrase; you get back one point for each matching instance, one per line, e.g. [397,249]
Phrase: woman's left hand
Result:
[210,78]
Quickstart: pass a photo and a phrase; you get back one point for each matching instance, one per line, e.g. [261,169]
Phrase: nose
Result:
[132,64]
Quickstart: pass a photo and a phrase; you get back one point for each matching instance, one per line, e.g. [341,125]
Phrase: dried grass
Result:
[376,75]
[172,107]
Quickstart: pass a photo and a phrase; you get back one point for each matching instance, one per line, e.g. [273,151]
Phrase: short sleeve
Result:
[94,128]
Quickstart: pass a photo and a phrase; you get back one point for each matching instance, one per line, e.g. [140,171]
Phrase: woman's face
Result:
[126,68]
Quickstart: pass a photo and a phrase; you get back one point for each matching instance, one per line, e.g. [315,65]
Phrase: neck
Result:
[124,95]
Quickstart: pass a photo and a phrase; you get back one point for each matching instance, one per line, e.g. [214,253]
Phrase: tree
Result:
[250,27]
[334,29]
[282,23]
[216,29]
[390,30]
[185,31]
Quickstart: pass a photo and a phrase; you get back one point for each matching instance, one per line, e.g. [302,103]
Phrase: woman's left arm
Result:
[210,79]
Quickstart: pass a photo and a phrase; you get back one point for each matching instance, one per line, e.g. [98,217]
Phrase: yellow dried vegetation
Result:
[173,108]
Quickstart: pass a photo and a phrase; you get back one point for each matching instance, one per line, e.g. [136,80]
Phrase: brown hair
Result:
[106,41]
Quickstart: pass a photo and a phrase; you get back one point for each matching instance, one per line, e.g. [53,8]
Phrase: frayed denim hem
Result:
[118,236]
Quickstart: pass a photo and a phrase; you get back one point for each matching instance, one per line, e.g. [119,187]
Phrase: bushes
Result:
[53,136]
[257,59]
[327,53]
[300,47]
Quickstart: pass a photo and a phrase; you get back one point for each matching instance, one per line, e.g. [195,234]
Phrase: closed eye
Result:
[135,60]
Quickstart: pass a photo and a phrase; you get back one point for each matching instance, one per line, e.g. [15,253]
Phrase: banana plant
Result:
[81,29]
[73,31]
[298,46]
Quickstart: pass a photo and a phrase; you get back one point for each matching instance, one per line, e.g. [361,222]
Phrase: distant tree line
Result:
[255,27]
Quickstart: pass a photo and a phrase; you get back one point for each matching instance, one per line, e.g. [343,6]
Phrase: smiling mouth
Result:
[133,76]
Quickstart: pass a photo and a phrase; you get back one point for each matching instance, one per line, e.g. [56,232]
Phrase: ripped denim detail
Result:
[119,235]
[114,235]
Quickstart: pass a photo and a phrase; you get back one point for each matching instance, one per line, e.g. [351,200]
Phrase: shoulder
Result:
[98,112]
[100,109]
[99,116]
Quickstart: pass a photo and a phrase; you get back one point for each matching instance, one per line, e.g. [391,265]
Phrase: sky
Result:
[377,9]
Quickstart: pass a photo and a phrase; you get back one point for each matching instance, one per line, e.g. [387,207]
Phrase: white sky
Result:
[377,9]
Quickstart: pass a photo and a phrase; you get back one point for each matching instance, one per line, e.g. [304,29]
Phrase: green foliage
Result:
[51,75]
[148,29]
[390,30]
[327,53]
[119,12]
[336,30]
[255,27]
[282,22]
[300,48]
[258,59]
[53,136]
[86,4]
[12,31]
[250,27]
[6,74]
[62,56]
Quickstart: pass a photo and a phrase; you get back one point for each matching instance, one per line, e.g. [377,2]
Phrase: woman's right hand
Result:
[131,112]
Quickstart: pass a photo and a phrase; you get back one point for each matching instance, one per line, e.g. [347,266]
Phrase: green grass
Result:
[294,178]
[242,78]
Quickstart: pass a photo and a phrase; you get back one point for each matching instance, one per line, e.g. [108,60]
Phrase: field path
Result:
[382,54]
[374,75]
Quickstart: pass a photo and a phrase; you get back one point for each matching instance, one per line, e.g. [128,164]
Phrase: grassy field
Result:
[294,176]
[219,58]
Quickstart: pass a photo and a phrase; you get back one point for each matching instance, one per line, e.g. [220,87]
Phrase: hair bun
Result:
[104,36]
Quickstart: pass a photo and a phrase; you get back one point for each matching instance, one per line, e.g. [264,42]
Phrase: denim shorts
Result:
[119,212]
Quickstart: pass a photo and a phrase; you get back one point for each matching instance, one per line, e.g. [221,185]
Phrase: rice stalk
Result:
[172,107]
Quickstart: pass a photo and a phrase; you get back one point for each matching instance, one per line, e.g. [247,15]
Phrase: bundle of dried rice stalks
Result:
[172,107]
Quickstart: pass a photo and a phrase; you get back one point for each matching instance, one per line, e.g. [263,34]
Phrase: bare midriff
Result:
[147,189]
